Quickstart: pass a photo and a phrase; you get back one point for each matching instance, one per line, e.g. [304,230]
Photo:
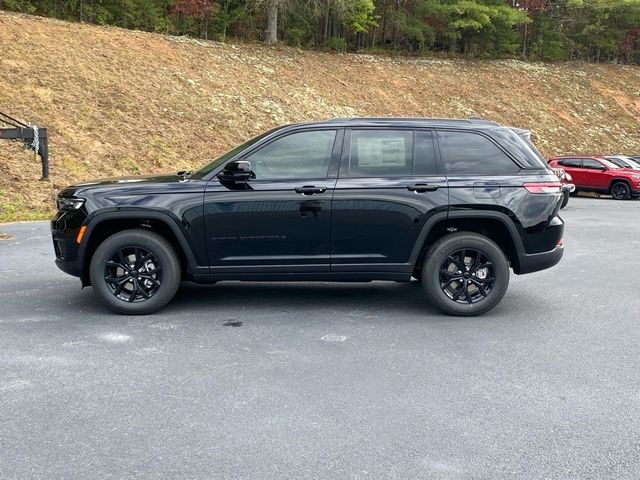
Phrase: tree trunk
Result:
[272,21]
[326,26]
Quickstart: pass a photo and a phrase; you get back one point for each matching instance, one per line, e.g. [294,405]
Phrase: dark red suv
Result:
[597,174]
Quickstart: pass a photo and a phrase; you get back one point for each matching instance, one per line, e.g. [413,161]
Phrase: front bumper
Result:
[64,231]
[73,268]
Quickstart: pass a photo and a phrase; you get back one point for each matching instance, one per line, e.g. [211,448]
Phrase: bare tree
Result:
[272,21]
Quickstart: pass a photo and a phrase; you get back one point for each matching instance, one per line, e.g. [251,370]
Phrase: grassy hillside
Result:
[121,102]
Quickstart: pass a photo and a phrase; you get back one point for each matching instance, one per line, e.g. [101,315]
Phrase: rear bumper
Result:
[534,262]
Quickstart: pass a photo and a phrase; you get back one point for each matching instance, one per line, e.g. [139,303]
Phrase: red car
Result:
[597,174]
[567,185]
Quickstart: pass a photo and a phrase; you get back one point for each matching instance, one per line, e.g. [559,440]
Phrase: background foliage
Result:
[592,30]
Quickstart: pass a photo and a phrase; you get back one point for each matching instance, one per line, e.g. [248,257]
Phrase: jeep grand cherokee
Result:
[454,203]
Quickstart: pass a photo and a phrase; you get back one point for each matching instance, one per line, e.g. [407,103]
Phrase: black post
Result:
[26,134]
[43,151]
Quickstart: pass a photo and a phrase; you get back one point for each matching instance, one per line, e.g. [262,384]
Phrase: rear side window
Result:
[570,162]
[380,153]
[392,153]
[467,153]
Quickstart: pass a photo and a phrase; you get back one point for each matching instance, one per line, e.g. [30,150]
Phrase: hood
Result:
[132,185]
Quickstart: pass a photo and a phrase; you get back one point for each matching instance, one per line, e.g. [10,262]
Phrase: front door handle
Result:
[310,190]
[422,187]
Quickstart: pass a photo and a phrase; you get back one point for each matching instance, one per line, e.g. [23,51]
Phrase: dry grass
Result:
[121,102]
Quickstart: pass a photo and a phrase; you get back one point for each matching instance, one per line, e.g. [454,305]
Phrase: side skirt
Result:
[304,277]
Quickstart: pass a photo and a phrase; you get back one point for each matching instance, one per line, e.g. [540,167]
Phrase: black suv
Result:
[453,203]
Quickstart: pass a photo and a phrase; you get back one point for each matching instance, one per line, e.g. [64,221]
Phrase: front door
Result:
[279,221]
[390,184]
[592,173]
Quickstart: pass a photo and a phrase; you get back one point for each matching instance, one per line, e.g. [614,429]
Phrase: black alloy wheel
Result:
[467,276]
[620,191]
[133,274]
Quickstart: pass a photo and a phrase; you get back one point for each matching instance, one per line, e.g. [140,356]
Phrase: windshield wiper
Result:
[185,174]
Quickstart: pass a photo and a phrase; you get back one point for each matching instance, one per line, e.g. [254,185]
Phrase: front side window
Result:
[592,164]
[298,155]
[467,153]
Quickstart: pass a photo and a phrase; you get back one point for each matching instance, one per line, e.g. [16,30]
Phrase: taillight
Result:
[553,187]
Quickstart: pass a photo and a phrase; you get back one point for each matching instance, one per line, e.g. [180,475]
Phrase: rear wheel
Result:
[620,191]
[465,274]
[135,272]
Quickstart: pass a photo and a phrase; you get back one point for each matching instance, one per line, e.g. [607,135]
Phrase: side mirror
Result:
[237,172]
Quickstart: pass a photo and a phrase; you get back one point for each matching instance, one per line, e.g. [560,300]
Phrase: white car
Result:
[624,161]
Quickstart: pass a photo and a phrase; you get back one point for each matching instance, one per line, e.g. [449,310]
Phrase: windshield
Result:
[628,161]
[633,163]
[618,162]
[609,164]
[231,153]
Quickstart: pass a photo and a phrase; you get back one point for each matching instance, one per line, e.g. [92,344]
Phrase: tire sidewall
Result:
[170,276]
[448,245]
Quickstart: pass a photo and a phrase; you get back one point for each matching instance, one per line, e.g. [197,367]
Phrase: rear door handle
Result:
[310,190]
[422,187]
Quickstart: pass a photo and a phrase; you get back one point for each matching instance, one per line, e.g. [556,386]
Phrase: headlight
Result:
[66,203]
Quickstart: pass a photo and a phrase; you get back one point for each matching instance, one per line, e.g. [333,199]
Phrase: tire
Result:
[447,248]
[144,255]
[620,191]
[565,199]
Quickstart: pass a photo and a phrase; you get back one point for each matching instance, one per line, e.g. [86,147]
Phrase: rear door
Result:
[390,183]
[573,166]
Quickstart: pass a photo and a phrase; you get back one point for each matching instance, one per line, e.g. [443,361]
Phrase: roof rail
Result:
[473,119]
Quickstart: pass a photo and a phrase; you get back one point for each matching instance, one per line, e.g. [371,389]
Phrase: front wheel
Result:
[620,191]
[565,199]
[135,272]
[465,274]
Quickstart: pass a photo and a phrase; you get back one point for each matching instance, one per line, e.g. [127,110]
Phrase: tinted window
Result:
[592,164]
[298,155]
[425,154]
[380,153]
[521,147]
[570,162]
[466,153]
[231,153]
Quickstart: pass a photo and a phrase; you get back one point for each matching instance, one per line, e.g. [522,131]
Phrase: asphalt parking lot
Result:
[328,380]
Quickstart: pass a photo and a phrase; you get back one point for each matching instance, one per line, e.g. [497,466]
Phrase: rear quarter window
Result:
[469,153]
